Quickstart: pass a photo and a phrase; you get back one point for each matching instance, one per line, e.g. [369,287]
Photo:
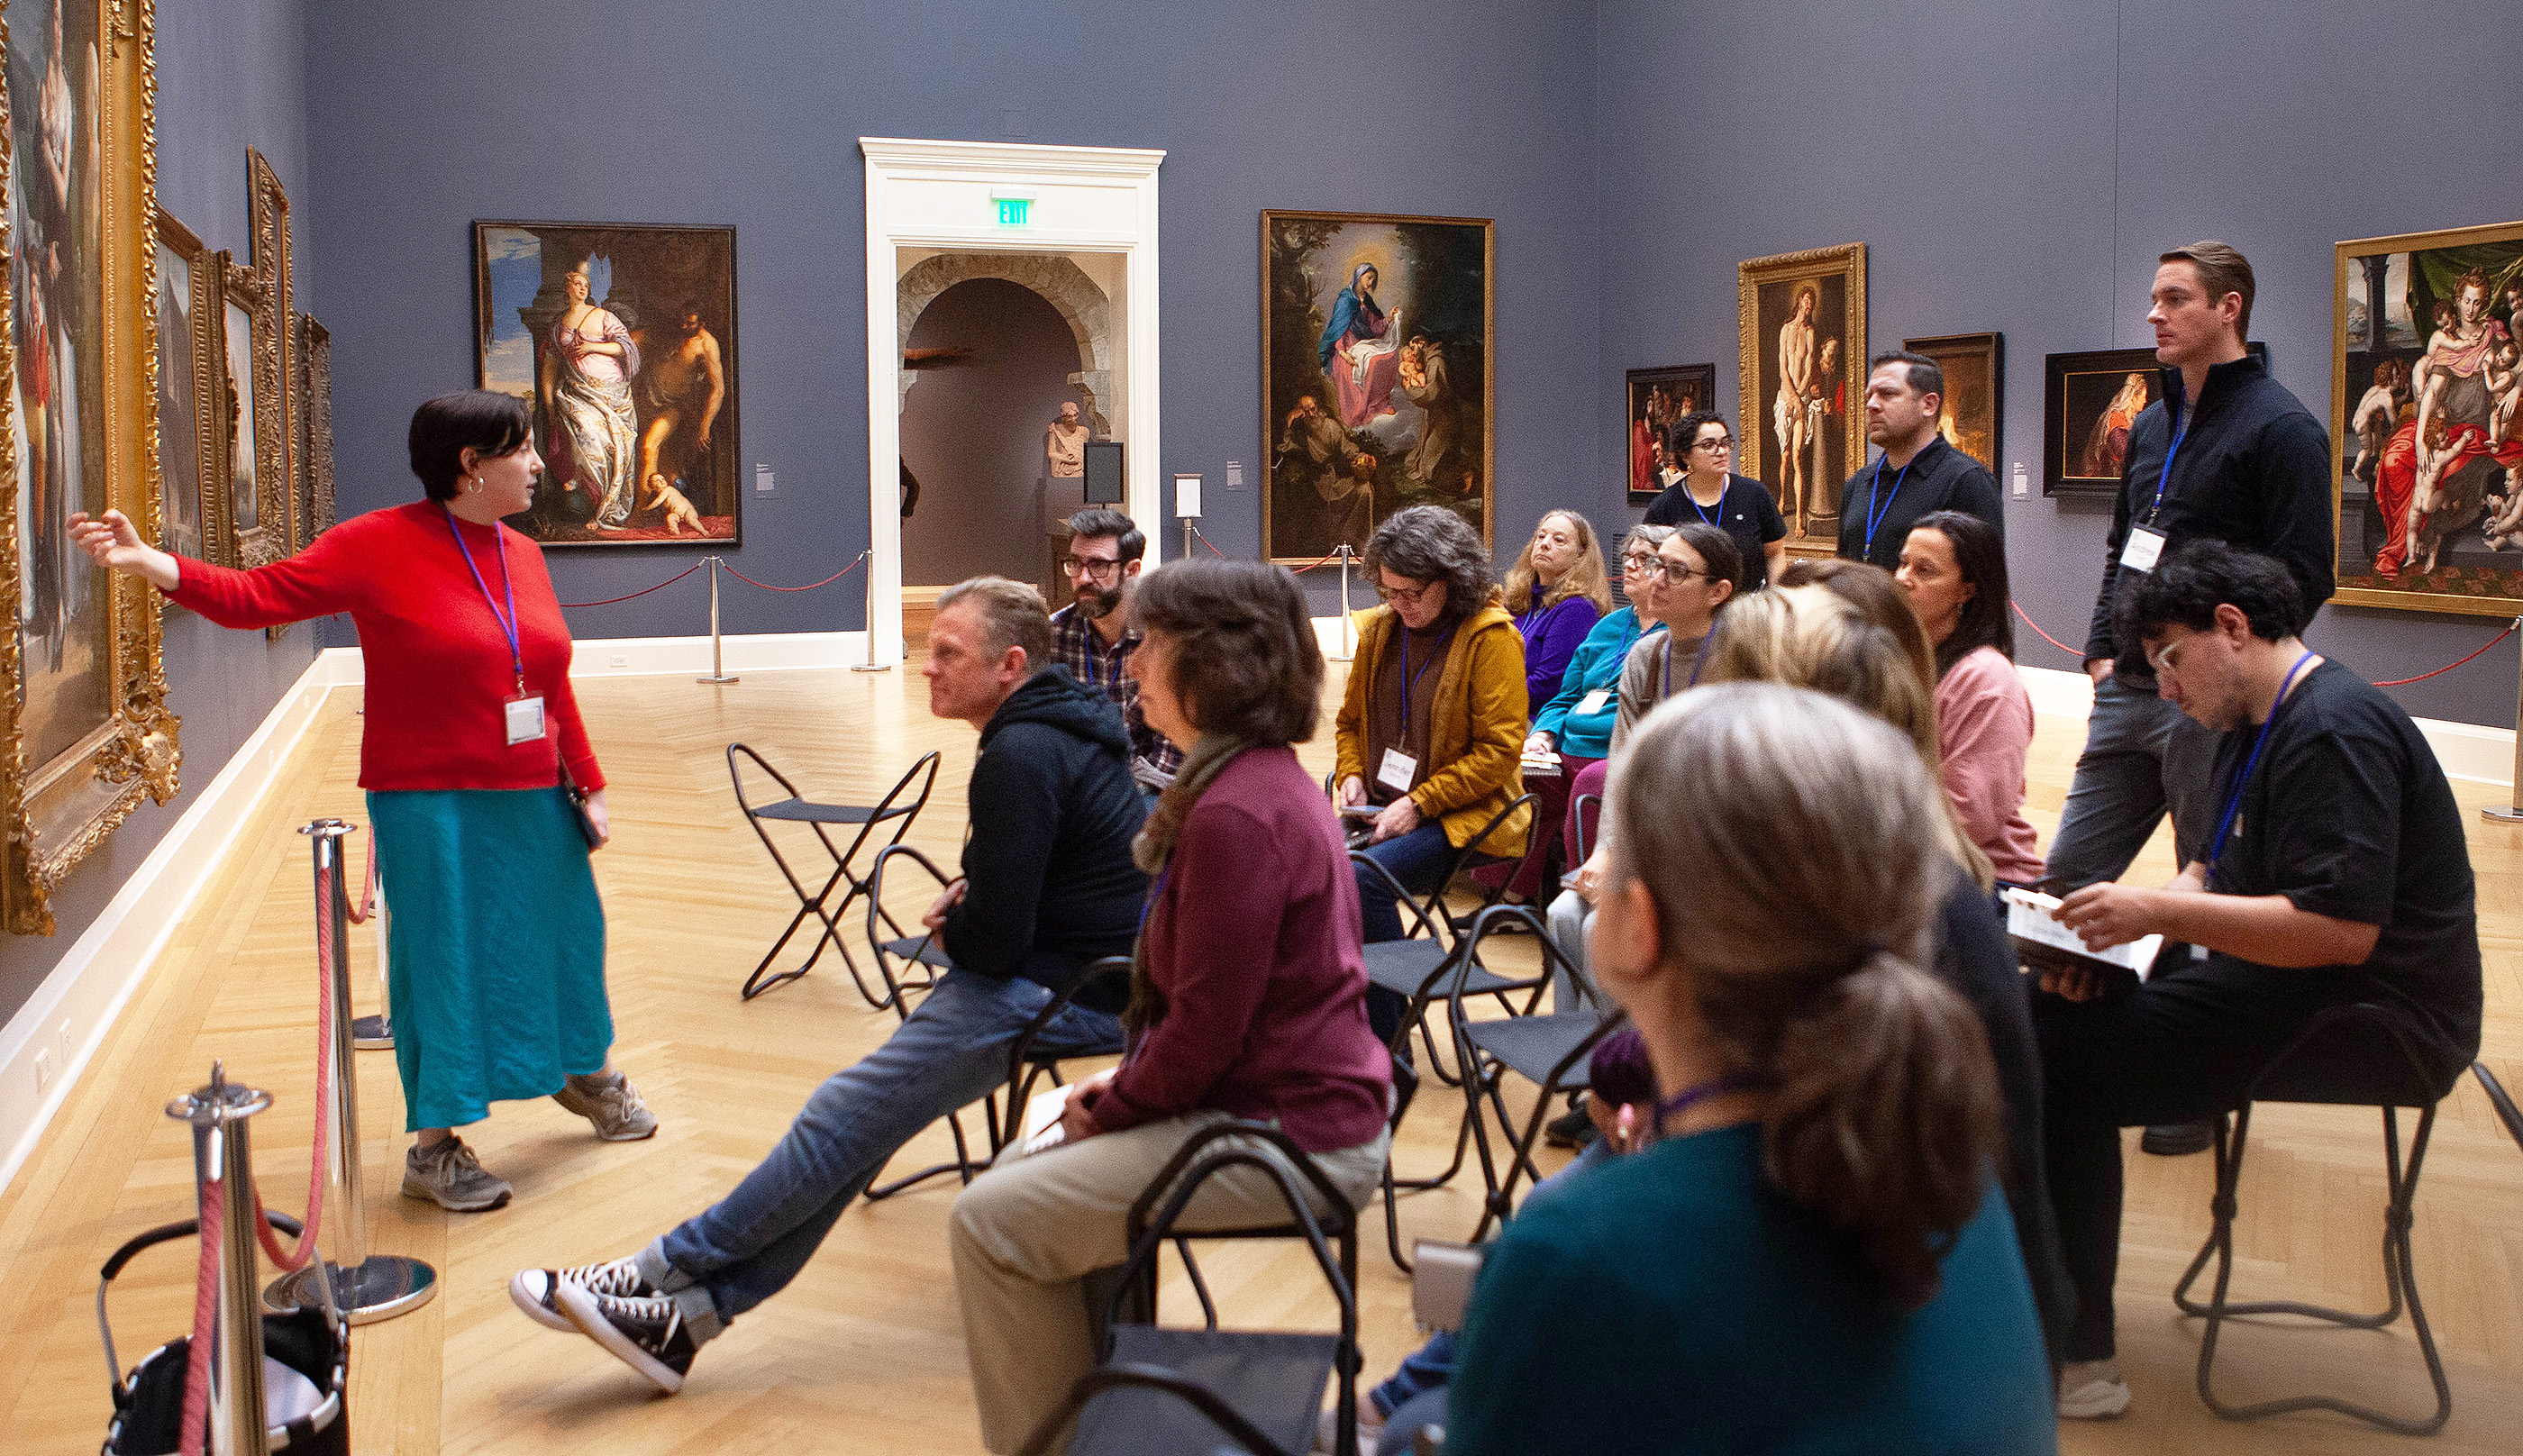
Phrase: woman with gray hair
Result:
[1433,722]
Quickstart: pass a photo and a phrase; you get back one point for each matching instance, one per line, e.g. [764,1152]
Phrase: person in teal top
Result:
[1579,727]
[1814,1254]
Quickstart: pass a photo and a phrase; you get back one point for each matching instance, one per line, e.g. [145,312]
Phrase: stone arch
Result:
[1060,281]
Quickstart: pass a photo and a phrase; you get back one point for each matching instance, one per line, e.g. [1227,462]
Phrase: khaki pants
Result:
[1026,1233]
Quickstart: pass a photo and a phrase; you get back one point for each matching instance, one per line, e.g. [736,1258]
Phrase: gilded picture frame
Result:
[313,406]
[85,729]
[1654,403]
[267,223]
[1973,417]
[188,302]
[2426,420]
[1802,377]
[252,465]
[1374,401]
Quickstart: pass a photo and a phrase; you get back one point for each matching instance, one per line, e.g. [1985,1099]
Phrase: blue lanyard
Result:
[509,623]
[1690,1097]
[1148,907]
[2234,798]
[1719,520]
[2165,480]
[1408,681]
[1874,515]
[1699,660]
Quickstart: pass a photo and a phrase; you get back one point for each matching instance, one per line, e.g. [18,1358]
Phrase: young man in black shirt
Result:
[1917,472]
[2336,872]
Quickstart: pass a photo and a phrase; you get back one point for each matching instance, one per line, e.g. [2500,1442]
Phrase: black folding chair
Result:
[1413,967]
[2496,1098]
[2359,1055]
[1168,1392]
[892,809]
[905,961]
[1552,1052]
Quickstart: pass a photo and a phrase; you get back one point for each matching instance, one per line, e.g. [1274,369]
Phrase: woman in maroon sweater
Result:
[1247,1001]
[469,744]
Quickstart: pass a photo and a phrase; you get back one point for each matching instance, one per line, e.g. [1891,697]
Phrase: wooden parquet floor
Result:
[864,1353]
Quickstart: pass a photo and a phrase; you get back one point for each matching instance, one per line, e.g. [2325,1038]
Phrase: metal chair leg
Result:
[877,1193]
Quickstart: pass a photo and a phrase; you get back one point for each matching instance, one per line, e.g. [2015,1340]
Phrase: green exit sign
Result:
[1012,209]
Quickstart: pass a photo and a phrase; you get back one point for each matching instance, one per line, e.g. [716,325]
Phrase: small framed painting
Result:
[1975,364]
[1657,400]
[2090,400]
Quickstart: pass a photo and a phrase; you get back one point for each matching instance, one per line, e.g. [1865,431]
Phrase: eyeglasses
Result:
[1411,595]
[1713,444]
[1638,561]
[1096,568]
[1676,573]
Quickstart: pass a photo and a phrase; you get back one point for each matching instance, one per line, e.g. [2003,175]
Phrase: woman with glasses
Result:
[1698,572]
[1735,504]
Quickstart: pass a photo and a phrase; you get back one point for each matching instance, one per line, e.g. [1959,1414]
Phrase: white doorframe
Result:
[932,194]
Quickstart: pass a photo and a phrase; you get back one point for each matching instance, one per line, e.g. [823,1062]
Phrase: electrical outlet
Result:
[63,1039]
[620,660]
[43,1071]
[2023,481]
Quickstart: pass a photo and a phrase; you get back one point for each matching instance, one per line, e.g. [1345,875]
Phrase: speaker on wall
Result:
[1103,472]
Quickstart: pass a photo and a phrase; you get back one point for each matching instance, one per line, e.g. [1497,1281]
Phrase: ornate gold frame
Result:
[57,813]
[202,346]
[270,224]
[267,540]
[314,406]
[1848,262]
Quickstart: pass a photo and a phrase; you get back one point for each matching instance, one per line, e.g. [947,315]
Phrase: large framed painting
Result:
[84,730]
[1656,402]
[187,319]
[2426,420]
[1376,383]
[283,495]
[621,337]
[1803,322]
[1973,419]
[253,464]
[2090,400]
[311,404]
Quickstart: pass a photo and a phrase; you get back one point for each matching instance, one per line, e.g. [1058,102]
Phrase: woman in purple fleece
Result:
[1556,591]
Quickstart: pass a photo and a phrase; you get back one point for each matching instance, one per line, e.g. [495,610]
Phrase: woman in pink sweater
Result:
[1954,567]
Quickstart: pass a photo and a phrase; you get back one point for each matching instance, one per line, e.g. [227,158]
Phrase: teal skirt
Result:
[495,948]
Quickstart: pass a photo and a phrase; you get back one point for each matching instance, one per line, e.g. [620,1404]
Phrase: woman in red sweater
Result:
[1248,1000]
[469,749]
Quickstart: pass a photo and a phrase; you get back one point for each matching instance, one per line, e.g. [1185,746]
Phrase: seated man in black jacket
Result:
[1048,886]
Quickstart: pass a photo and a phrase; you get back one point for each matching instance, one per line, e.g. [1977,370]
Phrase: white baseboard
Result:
[71,1013]
[658,657]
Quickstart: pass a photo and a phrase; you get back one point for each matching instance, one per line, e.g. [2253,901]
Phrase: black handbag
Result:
[577,796]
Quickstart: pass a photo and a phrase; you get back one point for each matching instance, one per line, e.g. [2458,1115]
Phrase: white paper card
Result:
[1042,1118]
[525,720]
[2033,915]
[2143,548]
[1595,701]
[1399,770]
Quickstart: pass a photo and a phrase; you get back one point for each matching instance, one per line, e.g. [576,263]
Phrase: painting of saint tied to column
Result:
[1803,326]
[1375,374]
[2426,420]
[622,340]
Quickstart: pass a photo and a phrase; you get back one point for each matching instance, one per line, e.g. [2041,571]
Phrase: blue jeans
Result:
[1415,858]
[1425,1370]
[952,1051]
[2142,756]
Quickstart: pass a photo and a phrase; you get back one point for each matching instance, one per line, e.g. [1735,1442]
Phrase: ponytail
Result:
[1883,1118]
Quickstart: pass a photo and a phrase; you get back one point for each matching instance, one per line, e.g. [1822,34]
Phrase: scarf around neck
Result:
[1153,850]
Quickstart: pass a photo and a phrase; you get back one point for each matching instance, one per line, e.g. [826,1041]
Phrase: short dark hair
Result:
[1431,543]
[1097,522]
[1240,645]
[445,428]
[1979,554]
[1717,552]
[1685,431]
[2221,270]
[1926,376]
[2189,584]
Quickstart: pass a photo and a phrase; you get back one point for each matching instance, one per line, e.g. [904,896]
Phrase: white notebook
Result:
[2033,915]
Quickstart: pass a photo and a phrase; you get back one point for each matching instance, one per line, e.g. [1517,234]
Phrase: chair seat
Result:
[923,948]
[2352,1061]
[1274,1381]
[800,810]
[1531,1046]
[1403,966]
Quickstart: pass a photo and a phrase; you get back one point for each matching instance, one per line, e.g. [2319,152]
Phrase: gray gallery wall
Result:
[228,77]
[749,113]
[2017,168]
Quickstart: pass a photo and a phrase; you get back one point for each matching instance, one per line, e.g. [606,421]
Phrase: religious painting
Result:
[621,340]
[83,714]
[186,318]
[2089,402]
[252,465]
[1803,322]
[1376,386]
[1657,400]
[2426,420]
[1974,386]
[311,404]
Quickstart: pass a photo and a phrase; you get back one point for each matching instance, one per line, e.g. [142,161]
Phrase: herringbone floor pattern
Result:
[863,1354]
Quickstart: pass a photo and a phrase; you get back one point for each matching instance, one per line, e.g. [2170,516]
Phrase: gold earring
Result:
[474,485]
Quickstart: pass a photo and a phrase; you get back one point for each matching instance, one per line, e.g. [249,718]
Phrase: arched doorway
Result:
[995,360]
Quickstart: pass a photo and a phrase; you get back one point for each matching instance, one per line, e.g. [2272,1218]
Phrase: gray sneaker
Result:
[611,1103]
[448,1174]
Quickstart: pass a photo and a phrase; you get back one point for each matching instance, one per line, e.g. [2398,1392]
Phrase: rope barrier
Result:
[290,1261]
[205,1305]
[1213,548]
[1328,558]
[367,905]
[644,591]
[825,582]
[2045,636]
[2448,666]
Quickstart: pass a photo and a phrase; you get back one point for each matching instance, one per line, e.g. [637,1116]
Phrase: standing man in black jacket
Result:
[1048,886]
[1917,472]
[2225,454]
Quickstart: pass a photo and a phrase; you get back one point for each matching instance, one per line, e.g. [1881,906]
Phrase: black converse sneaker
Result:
[534,1289]
[645,1334]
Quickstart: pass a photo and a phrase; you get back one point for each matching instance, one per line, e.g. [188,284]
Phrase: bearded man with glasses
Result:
[1092,637]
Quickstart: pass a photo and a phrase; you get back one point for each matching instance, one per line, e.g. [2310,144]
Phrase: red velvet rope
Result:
[206,1304]
[644,591]
[825,582]
[2510,629]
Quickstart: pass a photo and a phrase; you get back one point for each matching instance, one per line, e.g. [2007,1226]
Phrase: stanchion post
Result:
[1348,628]
[366,1287]
[718,676]
[223,1154]
[376,1033]
[871,665]
[2509,814]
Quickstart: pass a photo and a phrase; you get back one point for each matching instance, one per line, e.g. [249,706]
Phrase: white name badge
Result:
[525,720]
[1399,770]
[2143,548]
[1593,702]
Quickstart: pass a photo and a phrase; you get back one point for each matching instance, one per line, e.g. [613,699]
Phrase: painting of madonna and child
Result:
[621,338]
[1376,375]
[2427,420]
